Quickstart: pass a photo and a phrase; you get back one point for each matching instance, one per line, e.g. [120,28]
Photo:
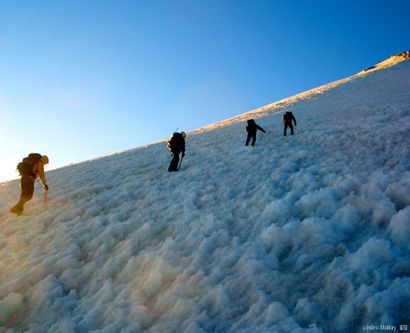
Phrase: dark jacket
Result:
[253,127]
[288,117]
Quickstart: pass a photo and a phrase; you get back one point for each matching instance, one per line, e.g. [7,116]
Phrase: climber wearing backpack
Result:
[287,120]
[30,168]
[176,145]
[251,132]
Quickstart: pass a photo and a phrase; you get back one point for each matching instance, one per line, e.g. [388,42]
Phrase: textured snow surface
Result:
[304,233]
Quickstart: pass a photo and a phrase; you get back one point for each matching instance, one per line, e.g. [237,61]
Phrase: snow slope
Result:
[304,233]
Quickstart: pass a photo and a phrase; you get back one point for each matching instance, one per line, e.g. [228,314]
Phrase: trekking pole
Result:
[262,135]
[180,162]
[45,198]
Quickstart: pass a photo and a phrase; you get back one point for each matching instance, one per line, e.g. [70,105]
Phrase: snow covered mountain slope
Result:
[304,233]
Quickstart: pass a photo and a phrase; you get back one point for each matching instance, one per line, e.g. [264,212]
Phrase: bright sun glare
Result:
[7,171]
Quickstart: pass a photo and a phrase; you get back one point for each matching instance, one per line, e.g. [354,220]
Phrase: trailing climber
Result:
[30,168]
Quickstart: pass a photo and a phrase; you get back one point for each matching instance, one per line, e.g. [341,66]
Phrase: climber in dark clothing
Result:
[176,145]
[251,132]
[287,120]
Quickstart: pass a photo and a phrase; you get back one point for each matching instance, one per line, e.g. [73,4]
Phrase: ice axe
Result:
[262,135]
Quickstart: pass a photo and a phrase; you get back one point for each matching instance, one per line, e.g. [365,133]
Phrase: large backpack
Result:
[26,166]
[251,127]
[287,117]
[176,142]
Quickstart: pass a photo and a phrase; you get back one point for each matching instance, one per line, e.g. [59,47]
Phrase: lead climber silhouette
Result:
[176,145]
[287,120]
[251,132]
[30,168]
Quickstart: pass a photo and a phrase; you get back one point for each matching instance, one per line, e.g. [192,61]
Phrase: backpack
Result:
[25,167]
[176,142]
[287,117]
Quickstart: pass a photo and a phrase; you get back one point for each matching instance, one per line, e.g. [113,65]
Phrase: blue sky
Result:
[82,79]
